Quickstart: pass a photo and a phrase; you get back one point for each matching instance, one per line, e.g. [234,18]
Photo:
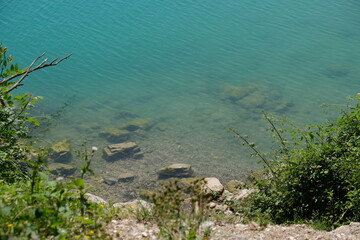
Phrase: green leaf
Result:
[80,182]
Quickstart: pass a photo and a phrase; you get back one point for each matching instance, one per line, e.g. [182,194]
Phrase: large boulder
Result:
[61,169]
[178,170]
[118,151]
[61,151]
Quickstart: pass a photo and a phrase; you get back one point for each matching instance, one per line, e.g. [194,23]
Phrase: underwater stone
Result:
[126,115]
[109,180]
[137,124]
[61,169]
[122,150]
[255,100]
[126,177]
[336,72]
[178,170]
[115,135]
[234,93]
[61,151]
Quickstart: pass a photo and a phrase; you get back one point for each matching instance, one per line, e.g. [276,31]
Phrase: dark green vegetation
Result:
[314,177]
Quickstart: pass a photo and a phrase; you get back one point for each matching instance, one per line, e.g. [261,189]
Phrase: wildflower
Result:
[91,232]
[10,225]
[102,205]
[77,236]
[132,206]
[94,149]
[87,237]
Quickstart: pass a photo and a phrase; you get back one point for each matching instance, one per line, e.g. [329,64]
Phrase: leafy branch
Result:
[252,146]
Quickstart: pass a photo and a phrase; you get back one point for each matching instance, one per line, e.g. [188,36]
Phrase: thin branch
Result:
[276,131]
[43,64]
[255,150]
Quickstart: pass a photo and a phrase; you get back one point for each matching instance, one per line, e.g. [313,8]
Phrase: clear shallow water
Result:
[174,62]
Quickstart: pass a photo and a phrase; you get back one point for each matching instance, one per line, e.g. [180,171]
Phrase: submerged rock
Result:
[61,169]
[136,124]
[109,180]
[115,134]
[126,115]
[336,72]
[126,177]
[61,151]
[255,98]
[178,170]
[236,93]
[122,150]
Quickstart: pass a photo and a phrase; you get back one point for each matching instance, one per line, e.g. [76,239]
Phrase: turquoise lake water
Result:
[177,63]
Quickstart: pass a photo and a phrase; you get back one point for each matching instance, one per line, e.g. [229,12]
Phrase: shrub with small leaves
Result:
[316,176]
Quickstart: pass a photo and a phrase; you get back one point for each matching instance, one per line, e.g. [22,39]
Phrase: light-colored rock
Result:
[61,169]
[213,188]
[95,199]
[122,150]
[126,177]
[61,151]
[179,170]
[244,193]
[134,205]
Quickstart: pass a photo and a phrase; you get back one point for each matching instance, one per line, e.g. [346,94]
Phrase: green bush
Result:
[315,177]
[45,209]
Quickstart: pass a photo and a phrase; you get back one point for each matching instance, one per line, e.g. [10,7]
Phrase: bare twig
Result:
[30,69]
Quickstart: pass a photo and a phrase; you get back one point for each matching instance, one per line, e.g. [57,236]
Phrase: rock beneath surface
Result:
[115,134]
[213,188]
[178,170]
[122,150]
[61,169]
[109,180]
[61,151]
[136,124]
[95,199]
[126,177]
